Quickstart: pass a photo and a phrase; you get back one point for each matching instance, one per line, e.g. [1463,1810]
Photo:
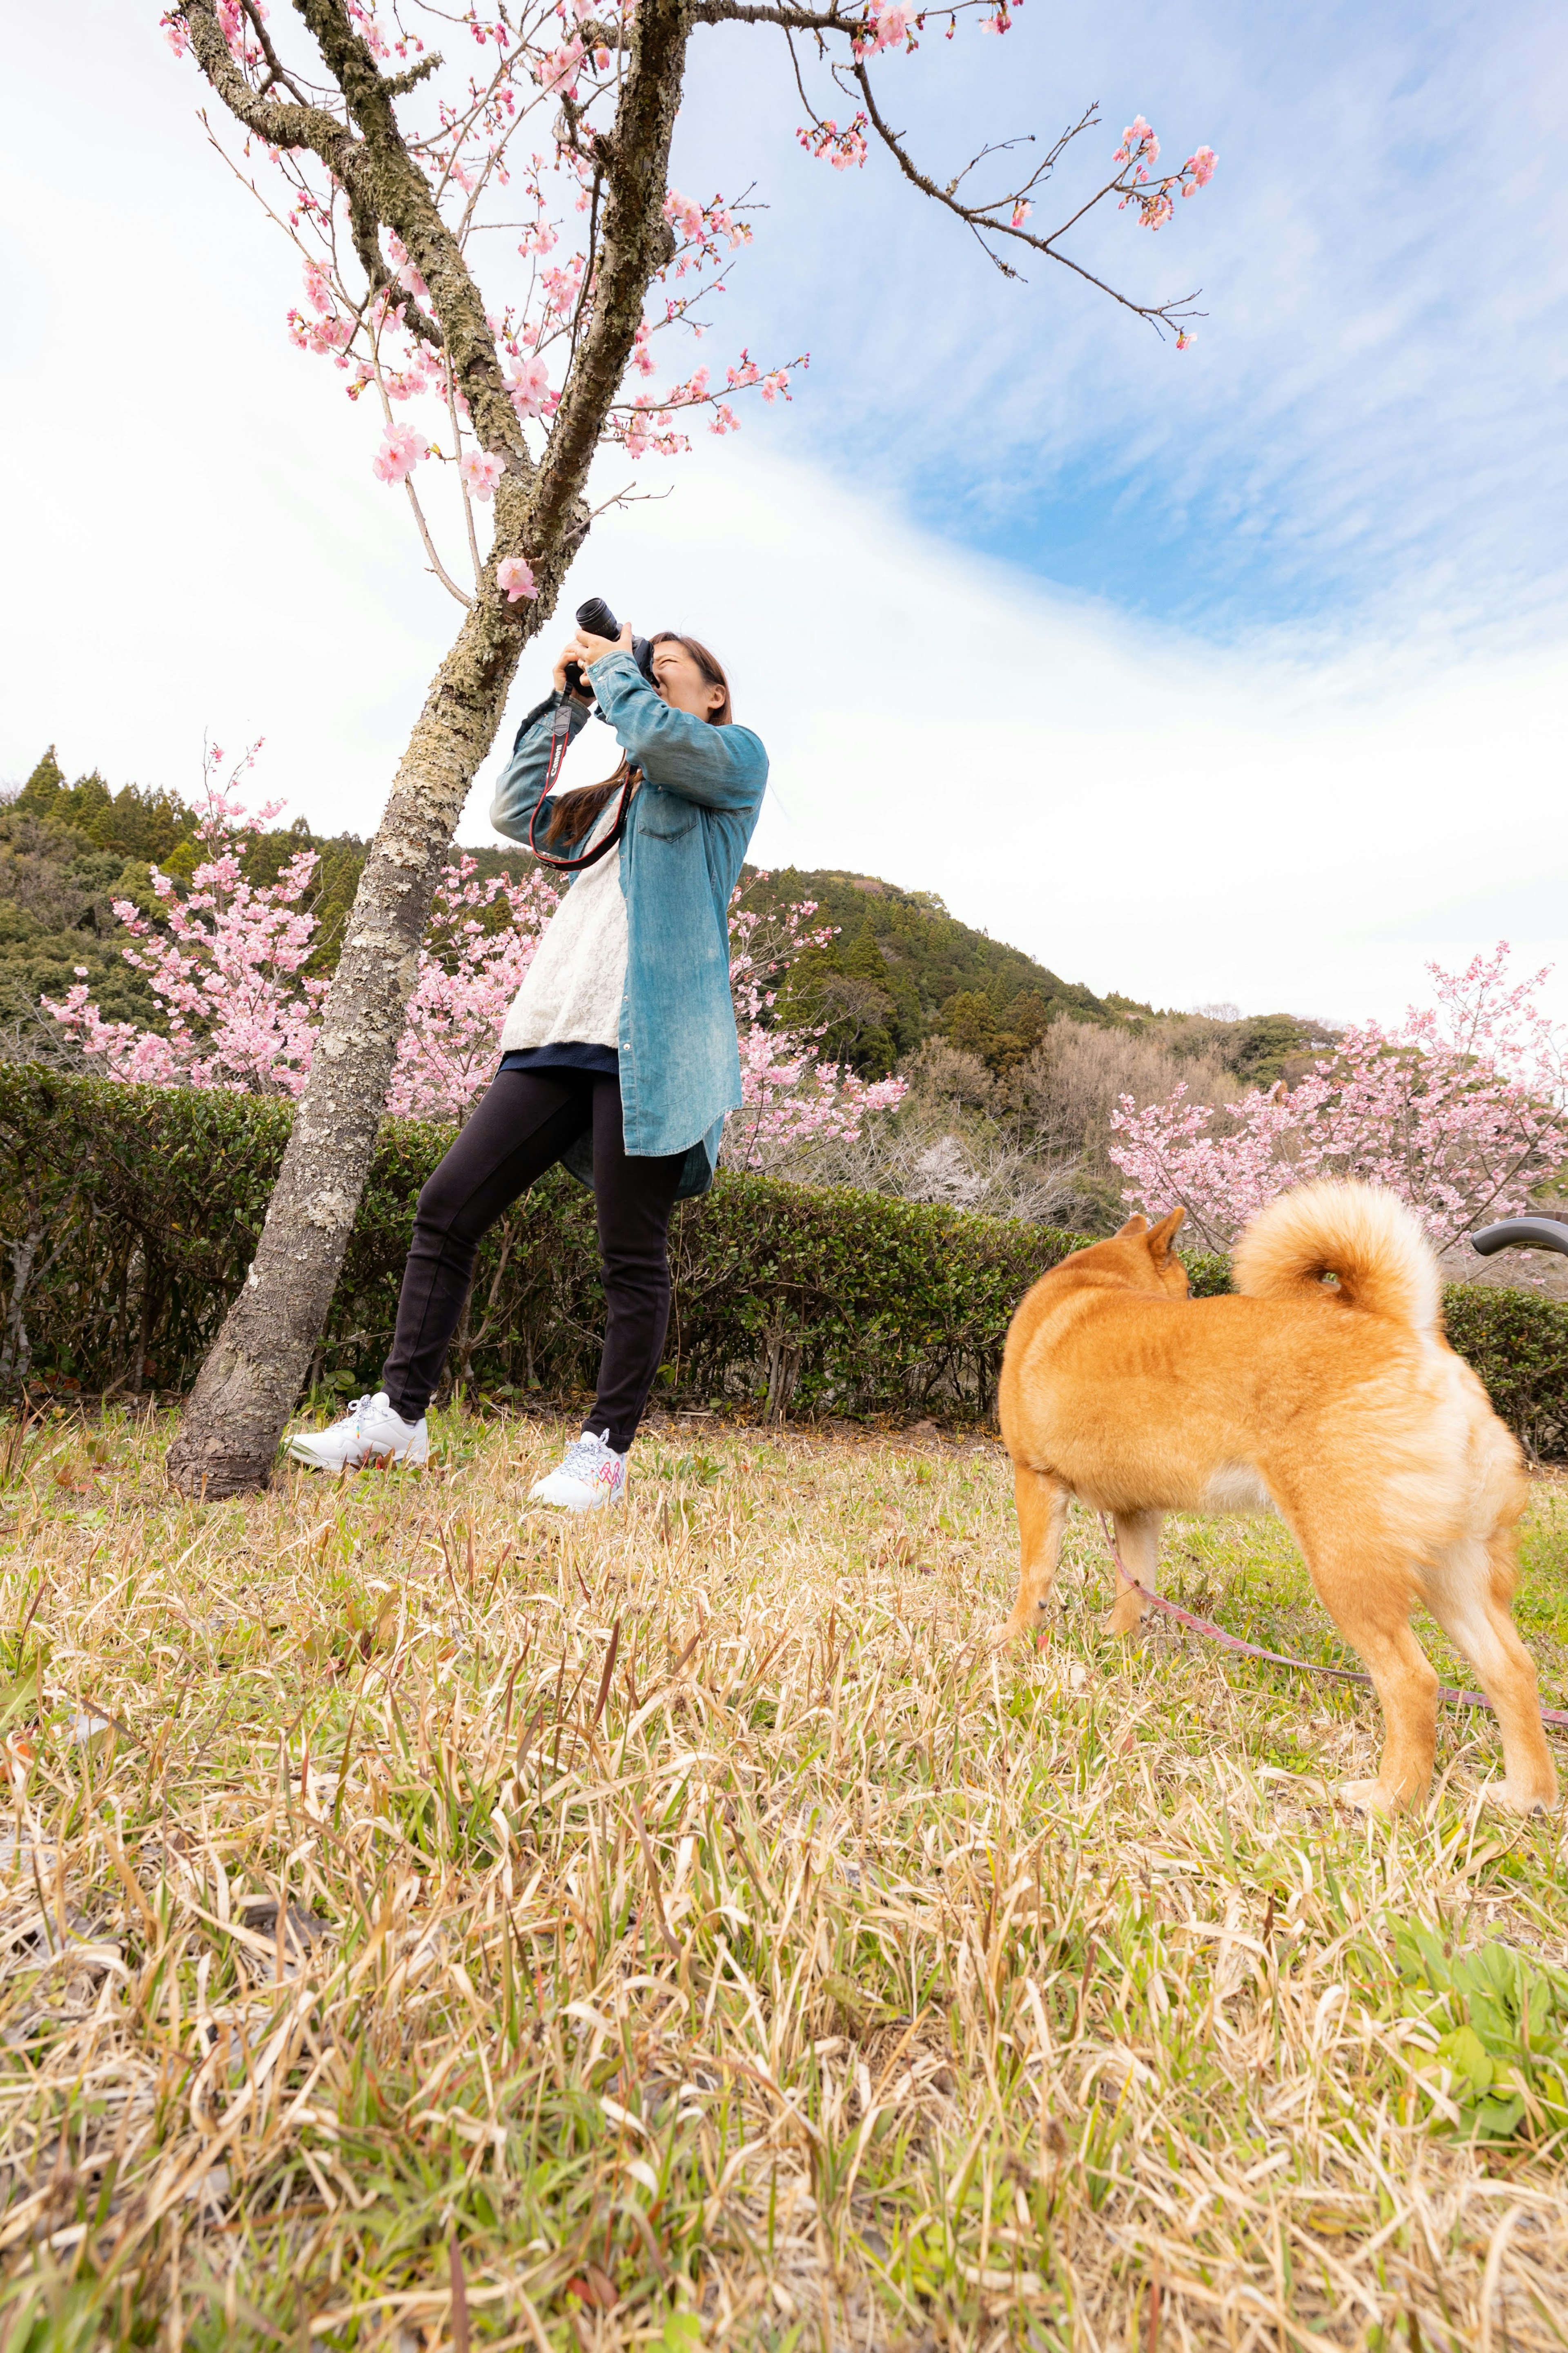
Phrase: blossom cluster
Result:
[845,150]
[1462,1110]
[1154,200]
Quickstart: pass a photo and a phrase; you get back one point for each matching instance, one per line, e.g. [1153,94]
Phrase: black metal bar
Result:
[1522,1233]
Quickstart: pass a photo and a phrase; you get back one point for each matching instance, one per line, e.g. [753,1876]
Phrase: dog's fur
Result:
[1341,1404]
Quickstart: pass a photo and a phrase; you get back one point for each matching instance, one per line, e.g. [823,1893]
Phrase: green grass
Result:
[693,1932]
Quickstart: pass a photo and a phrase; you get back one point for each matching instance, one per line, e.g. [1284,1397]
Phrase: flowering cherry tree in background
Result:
[243,1014]
[790,1098]
[533,149]
[1461,1110]
[469,974]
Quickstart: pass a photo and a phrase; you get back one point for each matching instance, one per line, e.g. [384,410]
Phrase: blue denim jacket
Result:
[687,833]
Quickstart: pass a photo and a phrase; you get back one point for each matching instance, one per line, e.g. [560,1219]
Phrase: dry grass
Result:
[426,1923]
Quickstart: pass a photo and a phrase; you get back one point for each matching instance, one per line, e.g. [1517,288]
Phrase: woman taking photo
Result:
[619,1056]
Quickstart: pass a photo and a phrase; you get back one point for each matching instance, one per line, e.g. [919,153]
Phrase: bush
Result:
[130,1214]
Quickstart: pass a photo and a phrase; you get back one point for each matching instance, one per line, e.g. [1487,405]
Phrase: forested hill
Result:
[900,969]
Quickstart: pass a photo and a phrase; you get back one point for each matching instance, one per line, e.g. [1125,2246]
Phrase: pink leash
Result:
[1556,1717]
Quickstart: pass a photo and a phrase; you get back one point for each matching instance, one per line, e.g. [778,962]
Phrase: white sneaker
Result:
[592,1474]
[369,1432]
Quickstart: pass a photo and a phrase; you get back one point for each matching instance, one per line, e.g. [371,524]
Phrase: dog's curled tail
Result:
[1363,1236]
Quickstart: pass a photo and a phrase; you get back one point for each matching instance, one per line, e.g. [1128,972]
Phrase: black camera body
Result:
[595,616]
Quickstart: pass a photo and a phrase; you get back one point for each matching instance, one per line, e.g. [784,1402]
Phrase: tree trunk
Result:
[251,1379]
[248,1385]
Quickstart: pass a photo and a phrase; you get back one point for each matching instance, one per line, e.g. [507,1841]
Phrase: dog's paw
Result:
[1367,1797]
[1512,1797]
[1022,1626]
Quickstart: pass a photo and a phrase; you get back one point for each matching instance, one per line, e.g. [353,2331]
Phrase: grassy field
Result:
[428,1921]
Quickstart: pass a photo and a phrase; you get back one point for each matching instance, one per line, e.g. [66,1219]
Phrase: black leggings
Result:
[518,1130]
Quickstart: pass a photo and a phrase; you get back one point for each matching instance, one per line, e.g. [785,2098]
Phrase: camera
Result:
[595,616]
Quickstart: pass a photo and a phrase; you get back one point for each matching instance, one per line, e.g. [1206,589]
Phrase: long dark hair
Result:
[573,816]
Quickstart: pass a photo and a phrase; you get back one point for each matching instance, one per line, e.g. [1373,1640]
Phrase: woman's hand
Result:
[583,649]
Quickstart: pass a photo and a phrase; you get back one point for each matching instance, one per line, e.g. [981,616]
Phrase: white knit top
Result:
[572,992]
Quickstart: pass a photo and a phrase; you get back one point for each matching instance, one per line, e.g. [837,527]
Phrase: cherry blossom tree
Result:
[488,248]
[470,971]
[243,1013]
[791,1099]
[1462,1110]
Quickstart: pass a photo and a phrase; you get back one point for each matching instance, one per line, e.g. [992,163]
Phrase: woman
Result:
[619,1056]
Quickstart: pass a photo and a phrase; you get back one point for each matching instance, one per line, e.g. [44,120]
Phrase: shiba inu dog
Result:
[1325,1389]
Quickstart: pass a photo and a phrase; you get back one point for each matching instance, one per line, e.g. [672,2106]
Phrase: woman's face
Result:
[682,685]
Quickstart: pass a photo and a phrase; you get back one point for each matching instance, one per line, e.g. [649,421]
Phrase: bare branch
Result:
[436,566]
[982,222]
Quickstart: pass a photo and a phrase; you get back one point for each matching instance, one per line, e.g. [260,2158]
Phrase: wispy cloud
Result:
[1371,416]
[1139,808]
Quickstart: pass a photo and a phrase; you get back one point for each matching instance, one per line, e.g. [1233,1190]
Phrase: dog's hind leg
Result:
[1042,1515]
[1138,1543]
[1468,1593]
[1369,1597]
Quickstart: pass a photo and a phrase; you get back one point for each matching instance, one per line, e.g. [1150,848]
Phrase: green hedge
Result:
[130,1214]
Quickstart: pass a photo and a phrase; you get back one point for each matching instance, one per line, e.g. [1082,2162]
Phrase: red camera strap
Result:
[560,742]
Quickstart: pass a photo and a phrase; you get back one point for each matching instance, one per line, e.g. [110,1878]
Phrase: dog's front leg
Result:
[1042,1515]
[1138,1543]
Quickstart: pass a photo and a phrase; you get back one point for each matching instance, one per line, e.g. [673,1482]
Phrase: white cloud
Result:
[1370,417]
[1284,823]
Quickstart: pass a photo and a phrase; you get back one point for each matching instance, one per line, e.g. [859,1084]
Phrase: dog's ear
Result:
[1136,1225]
[1165,1234]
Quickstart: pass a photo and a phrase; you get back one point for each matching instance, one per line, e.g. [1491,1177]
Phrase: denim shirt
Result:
[687,833]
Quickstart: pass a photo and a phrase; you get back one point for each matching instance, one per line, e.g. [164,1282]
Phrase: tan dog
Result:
[1341,1404]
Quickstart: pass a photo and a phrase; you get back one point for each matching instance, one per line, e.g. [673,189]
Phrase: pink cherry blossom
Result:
[516,578]
[227,967]
[529,385]
[1139,143]
[788,1096]
[470,968]
[682,212]
[408,277]
[1462,1110]
[370,313]
[845,150]
[401,449]
[480,472]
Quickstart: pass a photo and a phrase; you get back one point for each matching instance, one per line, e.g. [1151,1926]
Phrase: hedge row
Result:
[129,1216]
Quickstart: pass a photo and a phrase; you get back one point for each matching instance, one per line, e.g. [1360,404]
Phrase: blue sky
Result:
[1200,675]
[1369,421]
